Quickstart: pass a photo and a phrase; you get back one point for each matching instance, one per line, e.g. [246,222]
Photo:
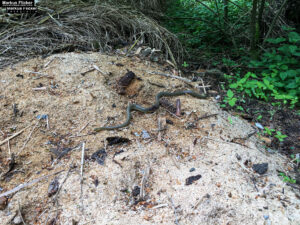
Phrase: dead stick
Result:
[172,76]
[47,121]
[101,71]
[9,151]
[88,71]
[20,213]
[28,138]
[39,89]
[83,128]
[13,136]
[21,186]
[55,200]
[144,180]
[207,116]
[203,86]
[81,174]
[175,211]
[178,107]
[49,62]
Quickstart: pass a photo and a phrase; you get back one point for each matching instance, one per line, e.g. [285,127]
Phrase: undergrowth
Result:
[274,77]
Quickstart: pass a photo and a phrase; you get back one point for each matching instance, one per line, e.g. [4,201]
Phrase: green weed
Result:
[286,178]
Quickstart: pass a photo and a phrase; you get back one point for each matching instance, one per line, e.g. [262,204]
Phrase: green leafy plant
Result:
[277,135]
[230,99]
[280,69]
[274,76]
[286,178]
[230,120]
[185,64]
[295,158]
[277,73]
[269,131]
[280,136]
[240,108]
[259,117]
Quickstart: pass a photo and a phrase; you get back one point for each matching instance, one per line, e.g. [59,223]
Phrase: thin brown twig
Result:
[207,116]
[178,108]
[88,71]
[28,138]
[20,213]
[14,135]
[203,86]
[83,127]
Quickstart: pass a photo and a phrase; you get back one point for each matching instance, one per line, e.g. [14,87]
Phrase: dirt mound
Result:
[197,168]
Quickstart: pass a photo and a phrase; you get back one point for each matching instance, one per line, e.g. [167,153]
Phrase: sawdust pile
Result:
[195,169]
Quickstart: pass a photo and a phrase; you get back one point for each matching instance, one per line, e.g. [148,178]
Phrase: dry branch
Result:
[21,186]
[13,136]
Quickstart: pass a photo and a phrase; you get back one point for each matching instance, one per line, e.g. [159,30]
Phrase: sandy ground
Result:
[143,181]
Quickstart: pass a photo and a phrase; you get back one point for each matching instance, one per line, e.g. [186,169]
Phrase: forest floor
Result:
[197,168]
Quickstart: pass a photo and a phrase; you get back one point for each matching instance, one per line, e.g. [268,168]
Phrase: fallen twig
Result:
[160,206]
[134,44]
[175,212]
[14,135]
[27,140]
[207,116]
[143,183]
[57,193]
[39,89]
[203,86]
[9,151]
[161,127]
[47,122]
[170,75]
[88,71]
[38,73]
[254,183]
[20,214]
[21,186]
[101,71]
[178,108]
[83,128]
[201,200]
[81,174]
[50,61]
[227,142]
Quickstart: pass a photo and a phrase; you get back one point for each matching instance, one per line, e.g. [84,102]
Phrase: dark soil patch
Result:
[285,120]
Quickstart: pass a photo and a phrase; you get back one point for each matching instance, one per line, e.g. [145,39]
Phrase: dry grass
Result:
[87,26]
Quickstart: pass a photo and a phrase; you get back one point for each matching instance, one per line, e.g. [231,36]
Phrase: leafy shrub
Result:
[279,72]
